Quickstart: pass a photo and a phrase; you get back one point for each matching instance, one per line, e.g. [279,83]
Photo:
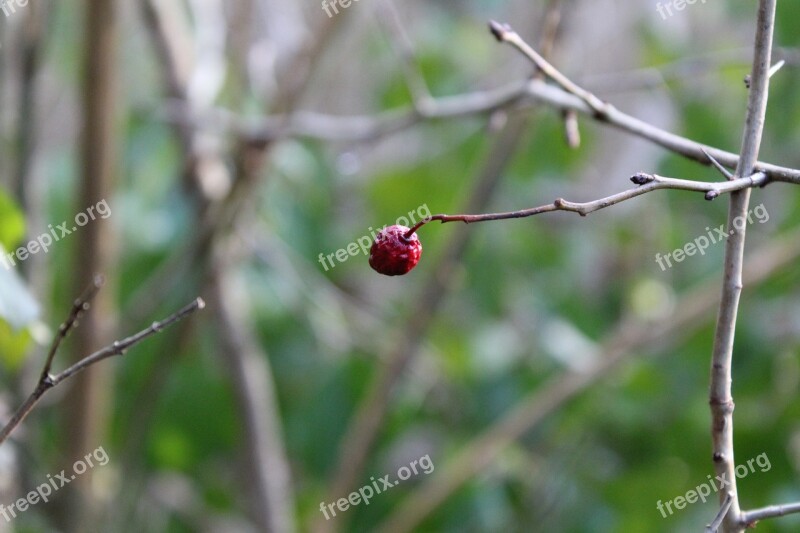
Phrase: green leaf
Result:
[12,222]
[13,346]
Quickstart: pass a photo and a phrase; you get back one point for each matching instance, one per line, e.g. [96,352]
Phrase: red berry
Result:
[394,254]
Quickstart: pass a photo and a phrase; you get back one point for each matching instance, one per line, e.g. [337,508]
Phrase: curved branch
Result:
[567,97]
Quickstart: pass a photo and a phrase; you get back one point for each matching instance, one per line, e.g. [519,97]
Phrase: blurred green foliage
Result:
[530,299]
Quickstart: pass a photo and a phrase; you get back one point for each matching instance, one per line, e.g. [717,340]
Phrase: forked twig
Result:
[47,380]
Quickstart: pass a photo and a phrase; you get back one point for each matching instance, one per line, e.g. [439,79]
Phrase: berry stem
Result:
[468,219]
[645,183]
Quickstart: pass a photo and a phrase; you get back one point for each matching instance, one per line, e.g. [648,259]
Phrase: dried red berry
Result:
[394,254]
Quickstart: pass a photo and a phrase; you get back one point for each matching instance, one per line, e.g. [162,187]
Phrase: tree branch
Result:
[504,33]
[749,518]
[720,395]
[47,380]
[363,128]
[647,183]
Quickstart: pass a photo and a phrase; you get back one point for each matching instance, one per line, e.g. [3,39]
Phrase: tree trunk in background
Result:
[87,405]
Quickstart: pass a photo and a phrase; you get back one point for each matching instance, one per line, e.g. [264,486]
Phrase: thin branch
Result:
[361,128]
[80,306]
[504,33]
[720,394]
[776,67]
[726,505]
[415,80]
[120,347]
[749,518]
[47,381]
[724,171]
[647,183]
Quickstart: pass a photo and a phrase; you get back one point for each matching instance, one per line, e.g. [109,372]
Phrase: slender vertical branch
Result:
[720,396]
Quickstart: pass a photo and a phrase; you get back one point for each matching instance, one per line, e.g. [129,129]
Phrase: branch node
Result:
[710,195]
[640,178]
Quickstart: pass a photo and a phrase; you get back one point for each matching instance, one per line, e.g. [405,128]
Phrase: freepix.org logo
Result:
[704,490]
[10,6]
[43,242]
[364,243]
[701,243]
[42,493]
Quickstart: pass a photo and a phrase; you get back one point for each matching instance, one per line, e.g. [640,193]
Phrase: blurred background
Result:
[547,373]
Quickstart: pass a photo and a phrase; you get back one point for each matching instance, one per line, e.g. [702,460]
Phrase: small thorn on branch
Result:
[776,67]
[724,171]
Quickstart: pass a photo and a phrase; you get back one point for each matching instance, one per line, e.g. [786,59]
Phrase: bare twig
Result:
[369,127]
[572,132]
[80,306]
[720,395]
[390,20]
[749,518]
[646,182]
[776,67]
[504,33]
[723,510]
[724,171]
[47,380]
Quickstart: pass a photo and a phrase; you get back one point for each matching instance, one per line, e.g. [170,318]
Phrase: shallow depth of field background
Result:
[526,301]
